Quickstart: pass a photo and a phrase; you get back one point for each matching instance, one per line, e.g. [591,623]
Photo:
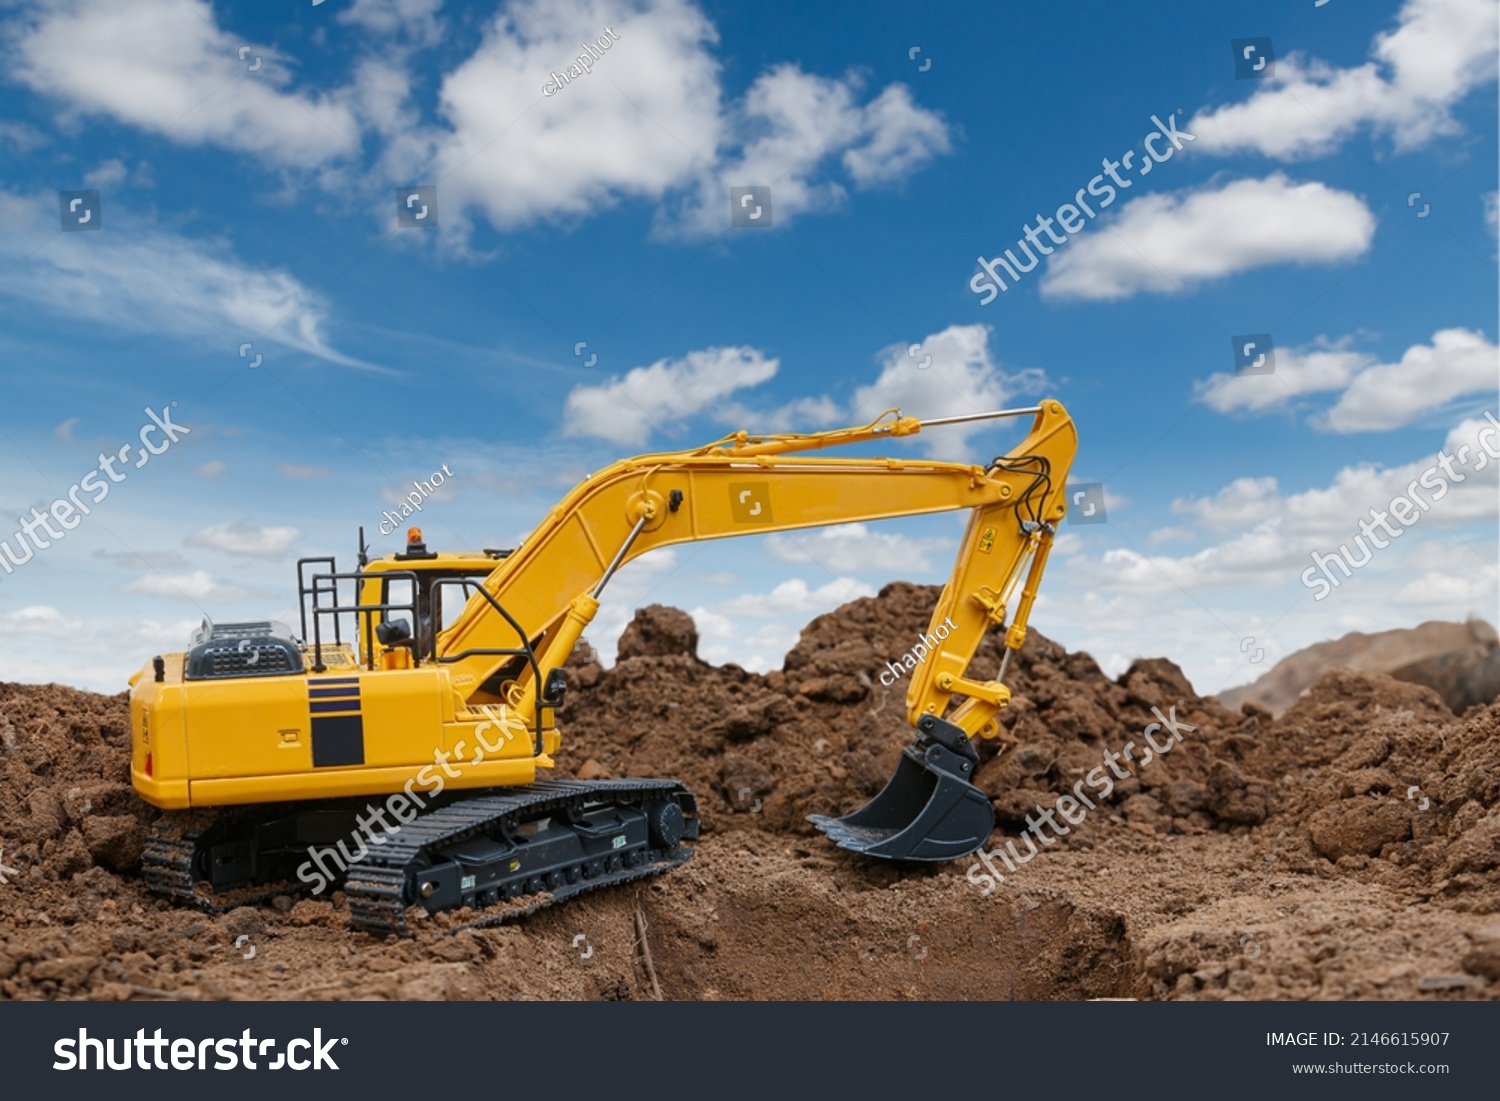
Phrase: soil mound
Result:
[1348,849]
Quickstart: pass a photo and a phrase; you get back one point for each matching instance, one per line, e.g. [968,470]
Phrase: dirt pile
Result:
[824,735]
[1349,848]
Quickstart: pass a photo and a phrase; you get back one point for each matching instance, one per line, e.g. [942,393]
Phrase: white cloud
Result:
[1435,588]
[381,97]
[1172,242]
[647,121]
[245,539]
[23,136]
[755,630]
[40,621]
[1120,603]
[897,138]
[416,18]
[1238,505]
[788,124]
[816,412]
[1320,367]
[626,409]
[155,281]
[98,655]
[196,586]
[854,548]
[107,174]
[962,378]
[1492,212]
[151,560]
[795,597]
[167,67]
[1169,535]
[1457,362]
[1440,51]
[1374,396]
[633,127]
[1275,533]
[212,471]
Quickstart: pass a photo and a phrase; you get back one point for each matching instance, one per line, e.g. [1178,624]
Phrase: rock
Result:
[1445,982]
[69,970]
[116,841]
[1407,650]
[1142,808]
[46,815]
[1463,677]
[1033,760]
[1484,960]
[658,631]
[1235,798]
[593,770]
[244,921]
[744,780]
[1363,826]
[310,911]
[1184,796]
[1478,850]
[71,856]
[756,718]
[1490,934]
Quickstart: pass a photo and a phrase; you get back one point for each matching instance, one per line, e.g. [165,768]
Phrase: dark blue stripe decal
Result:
[334,705]
[334,693]
[335,680]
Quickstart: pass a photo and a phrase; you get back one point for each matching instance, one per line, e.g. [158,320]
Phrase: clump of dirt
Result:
[1348,849]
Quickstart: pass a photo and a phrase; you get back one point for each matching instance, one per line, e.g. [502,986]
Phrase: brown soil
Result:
[1348,849]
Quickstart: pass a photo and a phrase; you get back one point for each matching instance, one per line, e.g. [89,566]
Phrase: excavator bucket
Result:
[928,810]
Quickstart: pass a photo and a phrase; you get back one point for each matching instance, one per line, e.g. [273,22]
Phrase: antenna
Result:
[364,556]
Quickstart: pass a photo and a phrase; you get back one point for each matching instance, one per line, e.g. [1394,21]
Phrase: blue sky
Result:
[248,160]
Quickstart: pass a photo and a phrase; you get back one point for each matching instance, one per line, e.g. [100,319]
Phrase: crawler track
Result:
[501,854]
[384,884]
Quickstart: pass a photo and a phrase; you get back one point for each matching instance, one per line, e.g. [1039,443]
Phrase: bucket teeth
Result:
[844,836]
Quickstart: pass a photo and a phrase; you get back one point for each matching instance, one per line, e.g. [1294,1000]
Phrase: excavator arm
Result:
[747,485]
[548,590]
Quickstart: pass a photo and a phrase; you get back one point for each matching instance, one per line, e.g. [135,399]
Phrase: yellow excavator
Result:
[393,747]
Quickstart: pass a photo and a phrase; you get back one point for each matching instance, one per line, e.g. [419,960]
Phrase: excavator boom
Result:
[758,485]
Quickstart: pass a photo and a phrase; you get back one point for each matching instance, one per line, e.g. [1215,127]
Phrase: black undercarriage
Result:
[500,853]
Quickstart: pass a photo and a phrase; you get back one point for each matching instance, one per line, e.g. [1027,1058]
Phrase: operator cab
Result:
[400,602]
[432,583]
